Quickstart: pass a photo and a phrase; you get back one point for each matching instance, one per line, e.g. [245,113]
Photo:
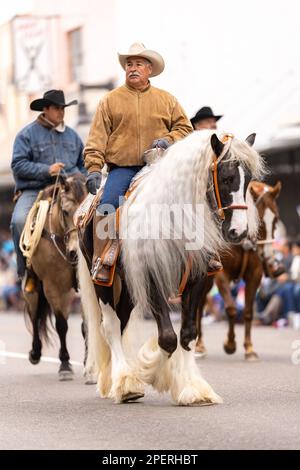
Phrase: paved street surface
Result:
[261,407]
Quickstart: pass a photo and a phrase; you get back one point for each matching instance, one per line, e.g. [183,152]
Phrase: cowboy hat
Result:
[51,97]
[204,113]
[138,49]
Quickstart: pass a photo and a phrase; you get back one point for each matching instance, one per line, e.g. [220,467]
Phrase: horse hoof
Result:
[200,354]
[65,375]
[230,348]
[34,359]
[90,381]
[132,397]
[65,372]
[252,357]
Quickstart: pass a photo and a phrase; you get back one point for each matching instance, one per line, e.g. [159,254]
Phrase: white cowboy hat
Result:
[138,49]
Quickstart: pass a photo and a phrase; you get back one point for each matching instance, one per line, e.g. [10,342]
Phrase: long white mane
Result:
[179,178]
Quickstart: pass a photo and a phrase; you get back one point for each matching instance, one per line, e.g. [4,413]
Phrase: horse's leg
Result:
[230,309]
[154,356]
[59,297]
[187,385]
[126,386]
[98,363]
[200,349]
[61,324]
[91,321]
[252,280]
[36,310]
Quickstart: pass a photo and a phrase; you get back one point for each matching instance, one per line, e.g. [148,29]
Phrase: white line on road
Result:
[15,355]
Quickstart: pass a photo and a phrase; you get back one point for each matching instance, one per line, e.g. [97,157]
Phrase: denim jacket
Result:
[37,147]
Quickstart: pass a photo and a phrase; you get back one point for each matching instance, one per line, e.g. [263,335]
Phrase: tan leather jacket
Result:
[127,121]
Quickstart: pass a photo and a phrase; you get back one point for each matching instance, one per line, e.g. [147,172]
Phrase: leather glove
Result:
[93,182]
[161,143]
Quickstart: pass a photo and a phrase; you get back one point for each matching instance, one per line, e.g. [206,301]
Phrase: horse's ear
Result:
[251,139]
[63,182]
[276,190]
[216,145]
[253,192]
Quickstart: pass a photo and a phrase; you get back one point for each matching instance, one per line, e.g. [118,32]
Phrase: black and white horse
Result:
[187,207]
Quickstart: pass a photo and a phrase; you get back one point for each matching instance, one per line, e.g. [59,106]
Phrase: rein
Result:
[220,211]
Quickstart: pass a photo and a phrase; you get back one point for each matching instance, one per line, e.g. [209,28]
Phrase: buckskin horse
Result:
[53,264]
[248,261]
[152,267]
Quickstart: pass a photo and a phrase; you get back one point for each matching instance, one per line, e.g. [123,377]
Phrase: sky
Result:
[242,58]
[10,8]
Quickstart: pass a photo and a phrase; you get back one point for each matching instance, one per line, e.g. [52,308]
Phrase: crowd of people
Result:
[10,291]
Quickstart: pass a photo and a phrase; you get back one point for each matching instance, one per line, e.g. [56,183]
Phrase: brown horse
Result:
[247,261]
[53,265]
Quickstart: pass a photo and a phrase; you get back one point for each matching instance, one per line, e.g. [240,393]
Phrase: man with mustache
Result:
[129,120]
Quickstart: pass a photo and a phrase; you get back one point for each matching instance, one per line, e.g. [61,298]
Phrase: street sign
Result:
[32,54]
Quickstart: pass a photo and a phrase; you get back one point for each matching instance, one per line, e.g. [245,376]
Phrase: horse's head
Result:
[232,172]
[264,197]
[71,194]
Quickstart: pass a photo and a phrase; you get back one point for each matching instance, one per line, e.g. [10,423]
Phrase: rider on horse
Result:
[41,150]
[128,121]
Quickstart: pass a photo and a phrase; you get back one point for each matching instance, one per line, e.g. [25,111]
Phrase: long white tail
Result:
[98,359]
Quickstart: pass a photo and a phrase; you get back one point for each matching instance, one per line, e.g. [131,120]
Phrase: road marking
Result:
[53,360]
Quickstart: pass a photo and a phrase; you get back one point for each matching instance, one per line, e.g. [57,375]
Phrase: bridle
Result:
[259,199]
[227,139]
[57,239]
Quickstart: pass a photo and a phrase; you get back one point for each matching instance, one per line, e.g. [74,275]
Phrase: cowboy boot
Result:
[105,249]
[214,264]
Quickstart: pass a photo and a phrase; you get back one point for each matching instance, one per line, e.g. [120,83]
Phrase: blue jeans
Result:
[23,206]
[287,295]
[117,183]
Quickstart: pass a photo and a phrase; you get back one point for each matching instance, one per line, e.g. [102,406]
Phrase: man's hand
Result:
[93,182]
[160,143]
[55,168]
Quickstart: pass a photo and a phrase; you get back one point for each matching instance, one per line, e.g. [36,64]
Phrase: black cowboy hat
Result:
[51,97]
[204,113]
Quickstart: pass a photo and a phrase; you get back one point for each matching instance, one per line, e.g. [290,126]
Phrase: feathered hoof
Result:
[34,358]
[198,395]
[252,357]
[230,347]
[127,388]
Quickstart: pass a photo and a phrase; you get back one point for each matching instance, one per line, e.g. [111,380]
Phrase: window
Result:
[75,54]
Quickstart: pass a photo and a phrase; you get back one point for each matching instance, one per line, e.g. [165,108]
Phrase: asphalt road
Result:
[261,408]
